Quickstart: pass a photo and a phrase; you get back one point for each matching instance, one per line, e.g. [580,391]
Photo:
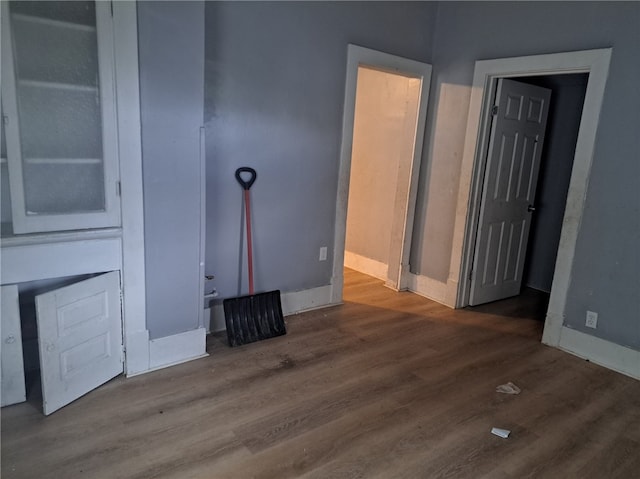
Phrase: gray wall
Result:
[274,88]
[171,49]
[565,111]
[605,278]
[274,92]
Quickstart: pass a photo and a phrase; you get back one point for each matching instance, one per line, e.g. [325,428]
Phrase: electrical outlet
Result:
[323,253]
[592,320]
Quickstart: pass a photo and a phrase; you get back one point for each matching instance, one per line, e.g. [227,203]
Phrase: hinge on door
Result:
[470,275]
[494,110]
[111,9]
[118,188]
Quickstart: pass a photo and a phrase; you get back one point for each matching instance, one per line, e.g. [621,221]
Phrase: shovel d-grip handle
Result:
[246,184]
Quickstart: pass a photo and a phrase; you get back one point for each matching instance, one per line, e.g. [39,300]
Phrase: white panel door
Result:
[513,162]
[80,338]
[13,388]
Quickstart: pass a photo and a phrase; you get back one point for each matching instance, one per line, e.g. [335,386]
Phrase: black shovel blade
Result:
[253,318]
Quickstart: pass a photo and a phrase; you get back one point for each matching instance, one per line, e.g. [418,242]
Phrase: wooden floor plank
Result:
[386,385]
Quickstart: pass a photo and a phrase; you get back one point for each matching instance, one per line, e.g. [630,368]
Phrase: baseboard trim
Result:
[292,303]
[176,349]
[366,265]
[428,288]
[602,352]
[306,300]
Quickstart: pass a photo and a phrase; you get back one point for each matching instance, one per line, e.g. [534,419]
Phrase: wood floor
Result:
[387,385]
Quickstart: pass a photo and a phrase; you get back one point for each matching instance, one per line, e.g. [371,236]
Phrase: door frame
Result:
[486,73]
[402,223]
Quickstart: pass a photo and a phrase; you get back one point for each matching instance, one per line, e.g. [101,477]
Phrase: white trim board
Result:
[292,303]
[176,349]
[594,62]
[599,351]
[403,220]
[365,265]
[125,25]
[428,288]
[31,262]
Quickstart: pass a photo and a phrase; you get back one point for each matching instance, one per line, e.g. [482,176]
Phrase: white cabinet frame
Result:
[110,216]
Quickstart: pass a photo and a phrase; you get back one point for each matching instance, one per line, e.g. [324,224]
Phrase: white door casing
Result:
[596,64]
[402,225]
[79,338]
[513,163]
[13,386]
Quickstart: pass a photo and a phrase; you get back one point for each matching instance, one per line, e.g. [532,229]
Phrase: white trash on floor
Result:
[508,388]
[503,433]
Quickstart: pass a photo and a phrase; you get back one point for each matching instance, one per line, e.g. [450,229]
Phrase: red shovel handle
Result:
[246,185]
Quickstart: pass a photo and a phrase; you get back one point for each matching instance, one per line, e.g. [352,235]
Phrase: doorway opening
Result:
[384,131]
[525,187]
[395,167]
[595,63]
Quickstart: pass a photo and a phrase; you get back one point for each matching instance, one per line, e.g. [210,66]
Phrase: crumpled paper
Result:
[508,388]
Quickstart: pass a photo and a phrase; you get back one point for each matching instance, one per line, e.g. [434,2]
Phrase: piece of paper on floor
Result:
[508,388]
[503,433]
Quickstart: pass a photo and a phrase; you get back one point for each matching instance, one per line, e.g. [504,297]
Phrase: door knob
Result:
[531,208]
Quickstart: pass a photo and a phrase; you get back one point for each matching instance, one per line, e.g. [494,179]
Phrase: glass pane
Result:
[56,67]
[55,52]
[58,123]
[82,13]
[73,190]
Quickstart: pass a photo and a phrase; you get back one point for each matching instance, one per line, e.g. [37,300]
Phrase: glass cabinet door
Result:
[59,115]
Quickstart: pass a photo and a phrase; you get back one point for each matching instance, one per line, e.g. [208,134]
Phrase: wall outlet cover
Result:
[592,320]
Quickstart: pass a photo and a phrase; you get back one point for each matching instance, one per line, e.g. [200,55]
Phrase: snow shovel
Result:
[256,316]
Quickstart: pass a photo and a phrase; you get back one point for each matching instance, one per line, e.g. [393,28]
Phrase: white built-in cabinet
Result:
[59,117]
[61,211]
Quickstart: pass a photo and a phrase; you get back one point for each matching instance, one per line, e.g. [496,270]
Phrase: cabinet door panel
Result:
[80,338]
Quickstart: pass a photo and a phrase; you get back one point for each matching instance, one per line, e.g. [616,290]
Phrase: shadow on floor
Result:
[530,304]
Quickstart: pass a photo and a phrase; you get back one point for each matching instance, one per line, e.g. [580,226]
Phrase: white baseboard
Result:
[429,288]
[292,303]
[306,300]
[176,349]
[599,351]
[366,265]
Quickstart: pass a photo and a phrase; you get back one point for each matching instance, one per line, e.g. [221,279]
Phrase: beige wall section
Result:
[436,204]
[383,136]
